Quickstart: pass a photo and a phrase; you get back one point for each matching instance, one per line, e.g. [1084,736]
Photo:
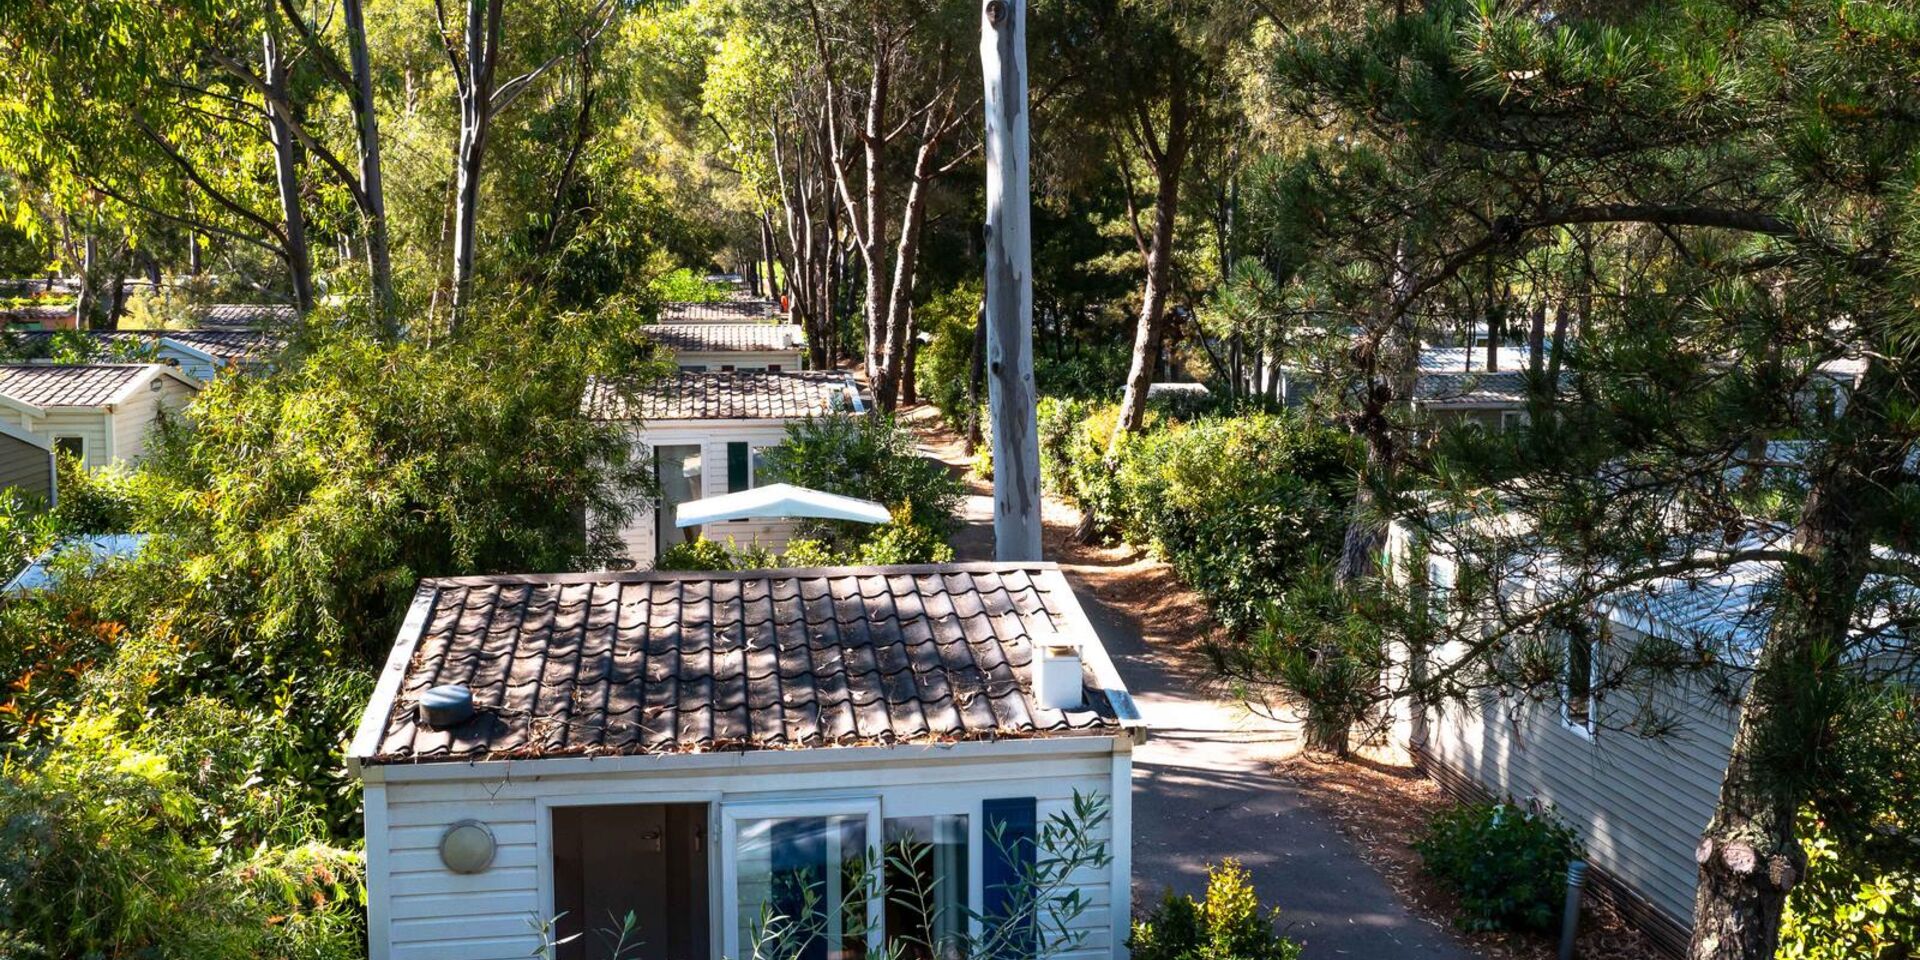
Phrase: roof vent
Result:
[447,705]
[1056,671]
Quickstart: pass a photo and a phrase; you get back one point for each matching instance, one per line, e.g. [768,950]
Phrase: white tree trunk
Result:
[1009,301]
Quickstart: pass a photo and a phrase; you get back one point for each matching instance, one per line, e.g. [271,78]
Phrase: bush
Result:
[105,851]
[703,554]
[1860,896]
[1228,925]
[943,364]
[1507,866]
[871,457]
[686,286]
[1241,507]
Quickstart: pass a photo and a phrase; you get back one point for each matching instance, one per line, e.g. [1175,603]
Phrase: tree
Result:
[474,57]
[1736,169]
[898,75]
[1154,74]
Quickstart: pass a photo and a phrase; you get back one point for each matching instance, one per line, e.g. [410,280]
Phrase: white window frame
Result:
[729,816]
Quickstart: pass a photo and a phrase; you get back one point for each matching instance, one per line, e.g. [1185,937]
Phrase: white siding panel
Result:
[432,913]
[1638,804]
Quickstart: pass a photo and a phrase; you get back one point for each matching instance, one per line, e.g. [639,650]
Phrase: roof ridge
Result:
[764,573]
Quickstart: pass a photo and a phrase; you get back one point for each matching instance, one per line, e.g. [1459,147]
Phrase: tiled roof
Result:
[1470,389]
[733,395]
[729,311]
[37,313]
[244,315]
[726,337]
[598,664]
[71,385]
[228,344]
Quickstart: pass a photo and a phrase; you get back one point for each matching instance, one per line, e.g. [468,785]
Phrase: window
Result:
[680,479]
[804,864]
[1511,420]
[70,446]
[1578,695]
[744,465]
[773,368]
[926,880]
[726,368]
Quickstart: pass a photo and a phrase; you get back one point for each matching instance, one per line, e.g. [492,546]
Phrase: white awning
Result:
[779,500]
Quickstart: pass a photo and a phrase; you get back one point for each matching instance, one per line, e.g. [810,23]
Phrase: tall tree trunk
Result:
[86,302]
[909,381]
[1750,855]
[1009,300]
[976,378]
[373,193]
[476,121]
[287,176]
[900,300]
[1153,303]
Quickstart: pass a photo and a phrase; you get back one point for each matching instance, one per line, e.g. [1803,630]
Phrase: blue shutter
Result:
[1013,822]
[739,473]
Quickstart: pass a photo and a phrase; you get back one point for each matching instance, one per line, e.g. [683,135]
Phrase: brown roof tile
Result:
[71,385]
[732,395]
[726,337]
[727,311]
[595,664]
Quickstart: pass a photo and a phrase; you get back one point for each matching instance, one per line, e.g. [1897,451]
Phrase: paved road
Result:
[1202,791]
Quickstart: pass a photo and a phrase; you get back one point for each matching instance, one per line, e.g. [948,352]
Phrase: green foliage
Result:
[685,285]
[1508,866]
[1861,893]
[1240,506]
[871,457]
[1226,925]
[703,554]
[1845,910]
[945,361]
[1324,646]
[902,541]
[107,852]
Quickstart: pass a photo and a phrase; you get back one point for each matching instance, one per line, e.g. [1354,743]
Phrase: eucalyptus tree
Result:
[475,53]
[891,70]
[1744,174]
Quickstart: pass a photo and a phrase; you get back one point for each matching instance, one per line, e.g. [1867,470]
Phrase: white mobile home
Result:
[698,747]
[705,432]
[732,346]
[101,413]
[1639,804]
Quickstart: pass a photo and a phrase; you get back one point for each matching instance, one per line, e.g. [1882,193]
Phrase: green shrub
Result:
[943,364]
[105,851]
[1860,896]
[1241,506]
[1227,925]
[871,457]
[703,554]
[903,542]
[687,286]
[1507,866]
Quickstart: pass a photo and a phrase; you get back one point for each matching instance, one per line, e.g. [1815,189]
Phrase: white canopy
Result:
[779,500]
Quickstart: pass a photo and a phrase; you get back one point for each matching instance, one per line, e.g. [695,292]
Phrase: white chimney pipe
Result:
[1056,670]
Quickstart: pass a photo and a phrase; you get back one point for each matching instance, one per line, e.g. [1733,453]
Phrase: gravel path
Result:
[1203,787]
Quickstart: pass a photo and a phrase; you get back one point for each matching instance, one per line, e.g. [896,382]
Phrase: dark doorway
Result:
[647,859]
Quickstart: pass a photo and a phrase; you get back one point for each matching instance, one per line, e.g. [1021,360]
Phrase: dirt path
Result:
[1204,787]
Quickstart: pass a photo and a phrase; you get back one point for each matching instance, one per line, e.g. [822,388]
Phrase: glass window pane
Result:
[926,877]
[680,478]
[798,888]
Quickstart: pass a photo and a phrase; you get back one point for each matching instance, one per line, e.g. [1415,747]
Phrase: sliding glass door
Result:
[680,475]
[796,880]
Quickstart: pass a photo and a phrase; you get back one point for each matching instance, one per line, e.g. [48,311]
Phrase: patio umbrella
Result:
[779,500]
